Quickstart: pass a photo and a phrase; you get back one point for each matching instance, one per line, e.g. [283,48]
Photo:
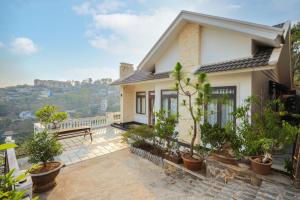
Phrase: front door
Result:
[151,116]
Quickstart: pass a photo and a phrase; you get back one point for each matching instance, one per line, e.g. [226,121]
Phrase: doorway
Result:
[151,100]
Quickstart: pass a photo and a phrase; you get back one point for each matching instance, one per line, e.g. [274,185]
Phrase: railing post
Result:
[12,163]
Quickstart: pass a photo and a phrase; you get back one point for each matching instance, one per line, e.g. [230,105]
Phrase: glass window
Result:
[169,102]
[222,105]
[141,102]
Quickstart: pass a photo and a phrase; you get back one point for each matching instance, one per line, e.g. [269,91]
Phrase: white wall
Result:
[216,45]
[221,45]
[168,60]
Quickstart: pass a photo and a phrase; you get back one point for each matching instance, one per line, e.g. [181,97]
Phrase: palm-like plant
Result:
[201,89]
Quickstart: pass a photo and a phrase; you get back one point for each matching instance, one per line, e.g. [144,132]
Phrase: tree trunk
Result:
[195,126]
[194,138]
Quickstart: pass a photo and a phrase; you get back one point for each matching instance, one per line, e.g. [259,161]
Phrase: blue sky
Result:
[78,39]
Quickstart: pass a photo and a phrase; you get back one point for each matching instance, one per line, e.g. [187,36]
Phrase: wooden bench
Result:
[73,132]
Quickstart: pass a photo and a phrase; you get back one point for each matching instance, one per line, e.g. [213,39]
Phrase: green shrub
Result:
[42,147]
[221,139]
[165,129]
[266,132]
[139,133]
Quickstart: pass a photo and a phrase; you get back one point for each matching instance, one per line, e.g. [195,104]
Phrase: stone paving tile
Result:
[105,140]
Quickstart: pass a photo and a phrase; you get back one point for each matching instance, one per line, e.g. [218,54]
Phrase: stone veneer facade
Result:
[189,51]
[189,45]
[125,69]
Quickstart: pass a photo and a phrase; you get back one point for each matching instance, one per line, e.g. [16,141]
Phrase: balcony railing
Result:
[92,122]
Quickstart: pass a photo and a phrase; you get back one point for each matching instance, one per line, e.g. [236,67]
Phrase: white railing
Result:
[12,163]
[92,122]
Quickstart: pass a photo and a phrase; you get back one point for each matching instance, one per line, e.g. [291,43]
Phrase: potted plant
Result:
[224,143]
[41,148]
[200,89]
[49,115]
[266,132]
[140,137]
[165,130]
[8,180]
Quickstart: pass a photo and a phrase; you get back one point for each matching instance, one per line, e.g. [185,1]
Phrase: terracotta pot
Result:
[191,163]
[224,159]
[260,168]
[173,158]
[45,181]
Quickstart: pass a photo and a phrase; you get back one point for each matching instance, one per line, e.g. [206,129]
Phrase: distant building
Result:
[103,105]
[52,83]
[26,115]
[46,93]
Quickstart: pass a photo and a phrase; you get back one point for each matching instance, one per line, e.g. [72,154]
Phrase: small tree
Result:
[50,115]
[266,131]
[165,127]
[201,90]
[42,147]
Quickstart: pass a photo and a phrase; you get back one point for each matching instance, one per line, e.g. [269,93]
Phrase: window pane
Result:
[212,110]
[143,101]
[226,110]
[169,102]
[173,106]
[165,104]
[138,107]
[169,92]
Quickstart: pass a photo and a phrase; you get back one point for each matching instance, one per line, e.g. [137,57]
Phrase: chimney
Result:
[125,69]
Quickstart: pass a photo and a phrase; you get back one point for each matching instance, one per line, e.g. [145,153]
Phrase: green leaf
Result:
[7,146]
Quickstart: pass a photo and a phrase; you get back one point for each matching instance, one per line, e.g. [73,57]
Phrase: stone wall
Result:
[189,45]
[126,69]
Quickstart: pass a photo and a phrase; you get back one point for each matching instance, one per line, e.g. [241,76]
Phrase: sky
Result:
[79,39]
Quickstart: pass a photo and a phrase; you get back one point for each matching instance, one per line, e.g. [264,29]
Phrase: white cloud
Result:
[130,34]
[2,45]
[23,46]
[90,8]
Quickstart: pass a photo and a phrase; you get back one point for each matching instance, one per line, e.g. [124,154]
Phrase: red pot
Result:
[191,163]
[258,167]
[224,159]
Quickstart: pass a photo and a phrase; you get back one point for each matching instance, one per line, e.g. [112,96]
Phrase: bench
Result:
[73,132]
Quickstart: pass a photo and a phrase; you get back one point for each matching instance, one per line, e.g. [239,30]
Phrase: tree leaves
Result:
[7,146]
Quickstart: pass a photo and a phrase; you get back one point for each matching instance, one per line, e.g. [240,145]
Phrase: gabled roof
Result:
[259,59]
[268,35]
[139,76]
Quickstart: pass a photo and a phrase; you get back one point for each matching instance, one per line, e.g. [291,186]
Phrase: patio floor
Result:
[105,140]
[77,149]
[122,175]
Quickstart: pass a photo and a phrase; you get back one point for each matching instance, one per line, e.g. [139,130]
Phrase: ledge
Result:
[243,172]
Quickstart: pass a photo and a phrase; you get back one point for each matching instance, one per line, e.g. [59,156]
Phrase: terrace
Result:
[104,168]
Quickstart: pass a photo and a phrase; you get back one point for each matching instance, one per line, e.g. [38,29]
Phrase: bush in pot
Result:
[41,148]
[165,130]
[222,141]
[200,89]
[265,133]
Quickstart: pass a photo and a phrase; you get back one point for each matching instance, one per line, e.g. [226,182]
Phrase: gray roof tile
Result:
[260,58]
[139,76]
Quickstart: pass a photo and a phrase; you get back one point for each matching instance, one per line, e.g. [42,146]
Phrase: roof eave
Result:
[147,81]
[236,71]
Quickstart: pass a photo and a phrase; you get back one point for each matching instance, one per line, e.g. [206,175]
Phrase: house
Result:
[240,58]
